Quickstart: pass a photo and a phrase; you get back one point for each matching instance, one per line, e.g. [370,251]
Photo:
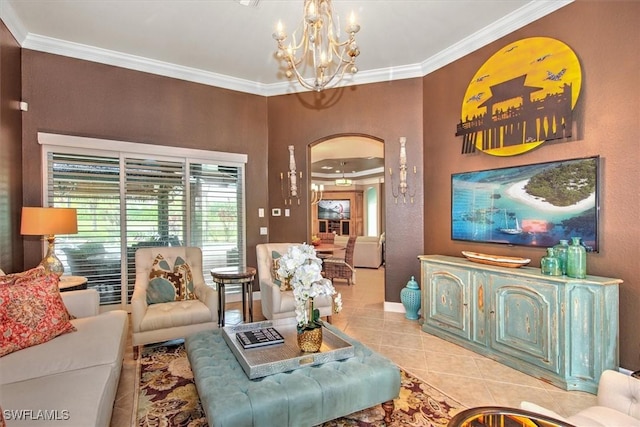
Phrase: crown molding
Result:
[500,28]
[138,63]
[515,20]
[13,23]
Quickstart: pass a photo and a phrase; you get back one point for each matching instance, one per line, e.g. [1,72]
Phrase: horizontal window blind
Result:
[126,201]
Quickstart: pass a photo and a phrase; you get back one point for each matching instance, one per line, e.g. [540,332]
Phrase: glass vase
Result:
[576,259]
[561,252]
[550,264]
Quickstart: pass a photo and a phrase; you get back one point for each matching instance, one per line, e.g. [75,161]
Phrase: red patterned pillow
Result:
[31,313]
[11,278]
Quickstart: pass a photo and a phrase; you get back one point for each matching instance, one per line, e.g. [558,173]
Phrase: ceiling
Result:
[355,157]
[228,44]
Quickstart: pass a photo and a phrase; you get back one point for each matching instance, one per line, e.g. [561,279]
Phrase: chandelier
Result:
[343,182]
[323,59]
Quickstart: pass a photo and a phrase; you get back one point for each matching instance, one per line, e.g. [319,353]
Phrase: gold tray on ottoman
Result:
[272,359]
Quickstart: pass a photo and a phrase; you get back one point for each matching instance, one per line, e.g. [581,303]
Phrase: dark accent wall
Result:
[385,111]
[10,153]
[85,98]
[605,37]
[76,97]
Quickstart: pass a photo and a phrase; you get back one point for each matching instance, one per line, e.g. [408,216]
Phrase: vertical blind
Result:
[126,201]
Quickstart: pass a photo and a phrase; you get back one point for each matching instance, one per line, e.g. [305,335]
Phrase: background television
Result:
[334,209]
[532,205]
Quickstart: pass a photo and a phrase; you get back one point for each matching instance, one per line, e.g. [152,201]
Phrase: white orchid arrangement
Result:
[303,268]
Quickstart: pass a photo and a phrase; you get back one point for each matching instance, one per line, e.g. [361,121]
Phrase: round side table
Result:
[239,276]
[72,283]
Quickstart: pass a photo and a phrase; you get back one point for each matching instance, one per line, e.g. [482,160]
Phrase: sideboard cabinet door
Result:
[523,322]
[447,306]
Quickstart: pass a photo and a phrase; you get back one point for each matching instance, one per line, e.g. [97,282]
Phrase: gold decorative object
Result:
[498,260]
[310,340]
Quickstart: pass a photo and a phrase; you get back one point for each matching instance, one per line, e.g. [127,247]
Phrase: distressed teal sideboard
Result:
[561,330]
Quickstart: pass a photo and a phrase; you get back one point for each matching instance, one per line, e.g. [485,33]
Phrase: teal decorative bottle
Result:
[410,298]
[576,259]
[550,264]
[561,252]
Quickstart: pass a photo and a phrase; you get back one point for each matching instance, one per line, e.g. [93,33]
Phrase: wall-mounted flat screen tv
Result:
[532,205]
[334,209]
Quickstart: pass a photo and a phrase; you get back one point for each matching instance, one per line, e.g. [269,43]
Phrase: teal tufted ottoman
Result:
[304,397]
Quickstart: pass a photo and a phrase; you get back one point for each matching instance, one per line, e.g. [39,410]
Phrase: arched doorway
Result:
[348,168]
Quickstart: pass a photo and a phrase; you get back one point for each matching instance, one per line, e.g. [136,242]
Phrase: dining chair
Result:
[326,237]
[341,268]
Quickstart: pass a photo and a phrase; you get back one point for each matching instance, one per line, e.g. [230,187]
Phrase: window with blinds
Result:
[126,201]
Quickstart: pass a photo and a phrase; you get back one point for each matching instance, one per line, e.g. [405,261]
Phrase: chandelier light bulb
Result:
[279,35]
[312,18]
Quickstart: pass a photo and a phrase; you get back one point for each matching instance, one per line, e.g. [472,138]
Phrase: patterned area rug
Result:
[167,397]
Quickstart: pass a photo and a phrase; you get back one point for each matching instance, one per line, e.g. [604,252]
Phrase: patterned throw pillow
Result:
[31,312]
[169,284]
[32,273]
[282,282]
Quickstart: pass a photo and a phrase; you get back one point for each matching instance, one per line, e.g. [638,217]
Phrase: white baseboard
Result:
[394,307]
[625,371]
[237,297]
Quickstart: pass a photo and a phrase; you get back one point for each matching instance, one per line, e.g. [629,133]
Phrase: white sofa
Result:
[275,303]
[618,404]
[73,376]
[368,250]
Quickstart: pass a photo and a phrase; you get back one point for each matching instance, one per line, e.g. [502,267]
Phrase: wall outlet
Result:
[263,231]
[287,212]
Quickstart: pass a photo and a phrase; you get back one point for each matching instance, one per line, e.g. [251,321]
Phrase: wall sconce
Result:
[291,191]
[316,193]
[403,189]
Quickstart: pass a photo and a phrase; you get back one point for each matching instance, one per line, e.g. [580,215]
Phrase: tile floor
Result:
[471,379]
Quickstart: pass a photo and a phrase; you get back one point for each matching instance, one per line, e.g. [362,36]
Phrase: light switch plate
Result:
[260,212]
[287,212]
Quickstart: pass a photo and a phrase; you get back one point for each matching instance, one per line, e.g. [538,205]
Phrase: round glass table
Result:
[493,416]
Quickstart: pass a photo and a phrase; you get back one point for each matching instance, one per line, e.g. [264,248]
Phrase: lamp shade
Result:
[48,221]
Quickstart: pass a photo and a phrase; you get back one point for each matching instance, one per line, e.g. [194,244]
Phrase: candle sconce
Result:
[289,184]
[403,189]
[316,193]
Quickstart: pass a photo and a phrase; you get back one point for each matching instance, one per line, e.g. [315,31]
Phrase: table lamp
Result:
[48,222]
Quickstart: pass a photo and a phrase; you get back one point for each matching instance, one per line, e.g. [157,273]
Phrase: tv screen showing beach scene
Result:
[334,209]
[532,205]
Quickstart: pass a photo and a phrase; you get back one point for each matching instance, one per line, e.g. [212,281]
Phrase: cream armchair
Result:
[618,404]
[277,304]
[176,319]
